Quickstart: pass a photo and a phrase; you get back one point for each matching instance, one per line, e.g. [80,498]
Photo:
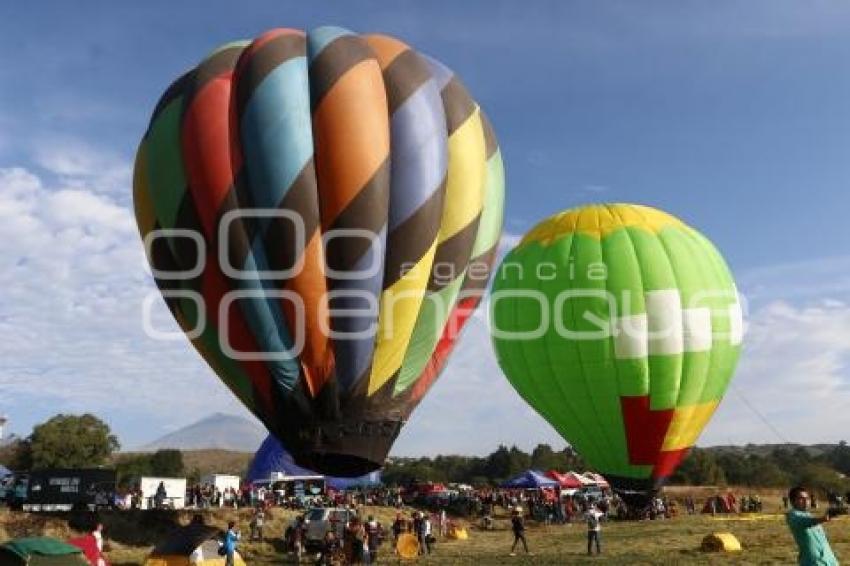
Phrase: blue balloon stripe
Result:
[419,152]
[265,319]
[442,74]
[357,352]
[277,135]
[321,37]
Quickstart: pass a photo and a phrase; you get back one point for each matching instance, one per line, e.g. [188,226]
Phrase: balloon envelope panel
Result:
[321,212]
[621,326]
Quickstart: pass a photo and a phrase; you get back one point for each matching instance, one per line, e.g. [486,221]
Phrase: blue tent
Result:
[272,457]
[530,479]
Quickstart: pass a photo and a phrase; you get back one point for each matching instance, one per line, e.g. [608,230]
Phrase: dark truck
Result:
[71,489]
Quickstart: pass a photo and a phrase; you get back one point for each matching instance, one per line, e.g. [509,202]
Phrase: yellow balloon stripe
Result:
[465,180]
[598,221]
[142,204]
[399,310]
[687,424]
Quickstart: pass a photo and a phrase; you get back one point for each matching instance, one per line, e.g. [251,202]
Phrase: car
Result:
[593,494]
[319,520]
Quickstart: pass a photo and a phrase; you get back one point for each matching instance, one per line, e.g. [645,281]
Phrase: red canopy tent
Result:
[596,479]
[572,480]
[569,480]
[88,544]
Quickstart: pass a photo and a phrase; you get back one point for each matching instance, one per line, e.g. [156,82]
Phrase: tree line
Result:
[84,441]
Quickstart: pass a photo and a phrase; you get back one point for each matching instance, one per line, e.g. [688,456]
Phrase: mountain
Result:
[220,431]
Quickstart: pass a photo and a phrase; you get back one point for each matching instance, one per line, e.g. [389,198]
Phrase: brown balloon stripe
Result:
[302,200]
[490,142]
[455,252]
[220,64]
[457,103]
[177,89]
[413,237]
[257,61]
[336,59]
[162,260]
[366,211]
[185,249]
[403,77]
[241,231]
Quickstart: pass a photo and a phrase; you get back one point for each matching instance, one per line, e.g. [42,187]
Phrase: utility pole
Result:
[3,421]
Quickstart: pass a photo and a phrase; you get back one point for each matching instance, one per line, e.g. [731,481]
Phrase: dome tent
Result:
[196,544]
[40,551]
[530,479]
[272,457]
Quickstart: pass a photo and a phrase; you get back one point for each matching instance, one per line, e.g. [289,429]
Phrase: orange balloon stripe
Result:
[386,48]
[352,137]
[317,360]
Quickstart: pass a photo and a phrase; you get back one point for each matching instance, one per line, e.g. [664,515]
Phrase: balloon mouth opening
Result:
[345,449]
[339,465]
[637,494]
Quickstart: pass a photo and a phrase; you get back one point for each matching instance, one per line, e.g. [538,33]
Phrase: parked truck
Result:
[70,489]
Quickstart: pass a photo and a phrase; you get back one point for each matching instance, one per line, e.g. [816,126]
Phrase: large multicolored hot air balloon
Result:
[321,212]
[621,326]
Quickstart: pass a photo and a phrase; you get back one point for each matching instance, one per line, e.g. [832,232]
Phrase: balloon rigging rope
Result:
[758,413]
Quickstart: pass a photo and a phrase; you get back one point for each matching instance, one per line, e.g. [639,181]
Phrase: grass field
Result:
[765,539]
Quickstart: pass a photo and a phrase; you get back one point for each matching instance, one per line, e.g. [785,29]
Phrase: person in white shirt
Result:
[97,533]
[594,528]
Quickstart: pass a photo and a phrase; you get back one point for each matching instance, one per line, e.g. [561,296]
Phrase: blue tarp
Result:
[272,457]
[530,479]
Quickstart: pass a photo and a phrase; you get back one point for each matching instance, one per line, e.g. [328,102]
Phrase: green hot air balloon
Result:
[622,327]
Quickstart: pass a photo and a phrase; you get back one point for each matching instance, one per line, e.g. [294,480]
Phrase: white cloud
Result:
[793,381]
[73,278]
[79,165]
[472,408]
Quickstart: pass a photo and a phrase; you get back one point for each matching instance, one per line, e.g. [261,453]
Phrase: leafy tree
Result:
[167,463]
[16,455]
[130,467]
[498,463]
[519,461]
[544,458]
[700,468]
[71,441]
[839,458]
[821,477]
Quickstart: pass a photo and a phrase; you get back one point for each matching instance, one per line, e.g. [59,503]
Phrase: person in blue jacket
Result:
[230,539]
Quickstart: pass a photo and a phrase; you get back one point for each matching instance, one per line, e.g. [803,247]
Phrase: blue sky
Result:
[734,116]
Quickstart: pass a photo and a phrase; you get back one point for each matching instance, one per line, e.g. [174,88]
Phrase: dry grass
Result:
[676,541]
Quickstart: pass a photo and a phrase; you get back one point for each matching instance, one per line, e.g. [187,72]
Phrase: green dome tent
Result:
[40,551]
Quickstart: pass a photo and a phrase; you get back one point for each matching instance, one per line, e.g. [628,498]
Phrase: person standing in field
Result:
[813,546]
[230,539]
[257,523]
[518,528]
[594,528]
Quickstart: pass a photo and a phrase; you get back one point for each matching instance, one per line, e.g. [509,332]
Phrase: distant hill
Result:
[763,450]
[217,431]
